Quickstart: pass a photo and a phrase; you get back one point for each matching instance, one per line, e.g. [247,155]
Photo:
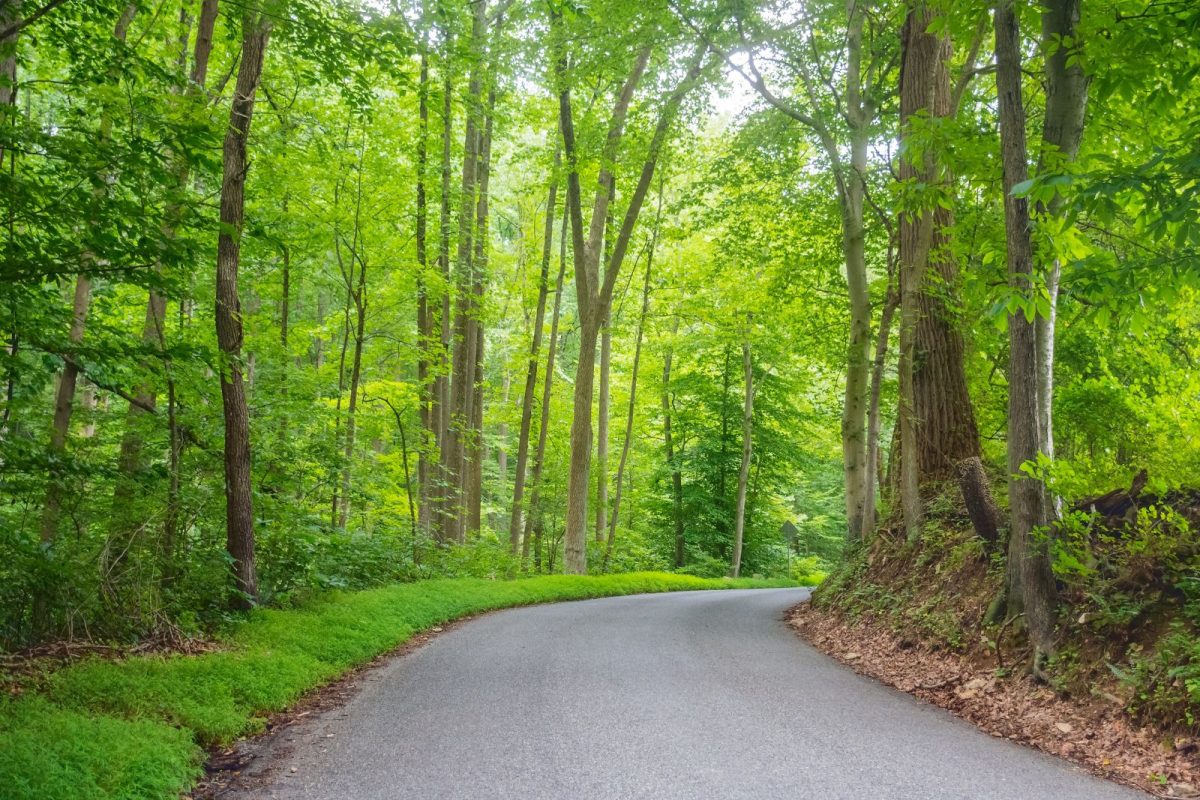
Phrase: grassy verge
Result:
[136,728]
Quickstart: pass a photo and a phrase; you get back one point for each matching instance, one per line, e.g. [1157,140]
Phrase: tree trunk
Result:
[129,459]
[1030,579]
[874,461]
[676,473]
[633,381]
[858,357]
[10,14]
[514,525]
[441,401]
[533,520]
[360,310]
[238,494]
[1062,131]
[739,520]
[602,429]
[473,476]
[427,443]
[64,399]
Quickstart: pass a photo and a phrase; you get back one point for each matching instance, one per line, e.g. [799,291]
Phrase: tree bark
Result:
[1029,577]
[739,520]
[238,494]
[441,401]
[514,525]
[874,461]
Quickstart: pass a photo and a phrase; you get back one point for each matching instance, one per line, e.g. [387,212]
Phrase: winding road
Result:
[689,695]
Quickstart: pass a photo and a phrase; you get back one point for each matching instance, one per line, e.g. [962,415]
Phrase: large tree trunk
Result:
[1030,580]
[533,518]
[514,525]
[1062,131]
[239,514]
[739,520]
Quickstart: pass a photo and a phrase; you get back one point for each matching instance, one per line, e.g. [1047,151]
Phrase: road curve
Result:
[686,695]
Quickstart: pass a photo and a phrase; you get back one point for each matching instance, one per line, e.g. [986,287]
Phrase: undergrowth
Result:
[136,728]
[1129,616]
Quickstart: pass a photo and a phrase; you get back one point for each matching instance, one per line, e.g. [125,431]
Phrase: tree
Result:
[239,514]
[1030,579]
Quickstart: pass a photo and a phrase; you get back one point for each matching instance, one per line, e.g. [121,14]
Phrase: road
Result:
[689,695]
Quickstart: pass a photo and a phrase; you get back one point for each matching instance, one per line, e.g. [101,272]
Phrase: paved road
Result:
[689,696]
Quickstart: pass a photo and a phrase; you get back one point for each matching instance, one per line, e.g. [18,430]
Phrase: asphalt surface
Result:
[689,695]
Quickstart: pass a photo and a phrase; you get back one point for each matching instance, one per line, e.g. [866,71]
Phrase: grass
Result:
[136,728]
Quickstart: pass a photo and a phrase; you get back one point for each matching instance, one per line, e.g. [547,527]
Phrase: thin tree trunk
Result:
[238,494]
[514,525]
[473,477]
[1029,577]
[360,310]
[441,401]
[633,381]
[426,444]
[129,458]
[64,399]
[533,518]
[465,341]
[1062,131]
[602,429]
[676,473]
[874,461]
[739,524]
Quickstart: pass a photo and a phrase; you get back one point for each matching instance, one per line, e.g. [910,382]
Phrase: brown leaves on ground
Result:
[1094,732]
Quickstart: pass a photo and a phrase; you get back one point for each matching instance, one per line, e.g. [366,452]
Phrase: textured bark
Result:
[1030,580]
[239,514]
[514,525]
[739,520]
[533,518]
[977,497]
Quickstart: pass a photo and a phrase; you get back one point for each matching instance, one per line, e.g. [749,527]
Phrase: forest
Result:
[330,294]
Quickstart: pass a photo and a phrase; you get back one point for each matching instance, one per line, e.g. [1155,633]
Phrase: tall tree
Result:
[1030,581]
[239,497]
[739,521]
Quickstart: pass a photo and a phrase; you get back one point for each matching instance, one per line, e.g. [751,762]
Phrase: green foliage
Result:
[130,729]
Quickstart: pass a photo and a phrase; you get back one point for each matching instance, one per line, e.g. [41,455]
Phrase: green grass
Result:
[136,728]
